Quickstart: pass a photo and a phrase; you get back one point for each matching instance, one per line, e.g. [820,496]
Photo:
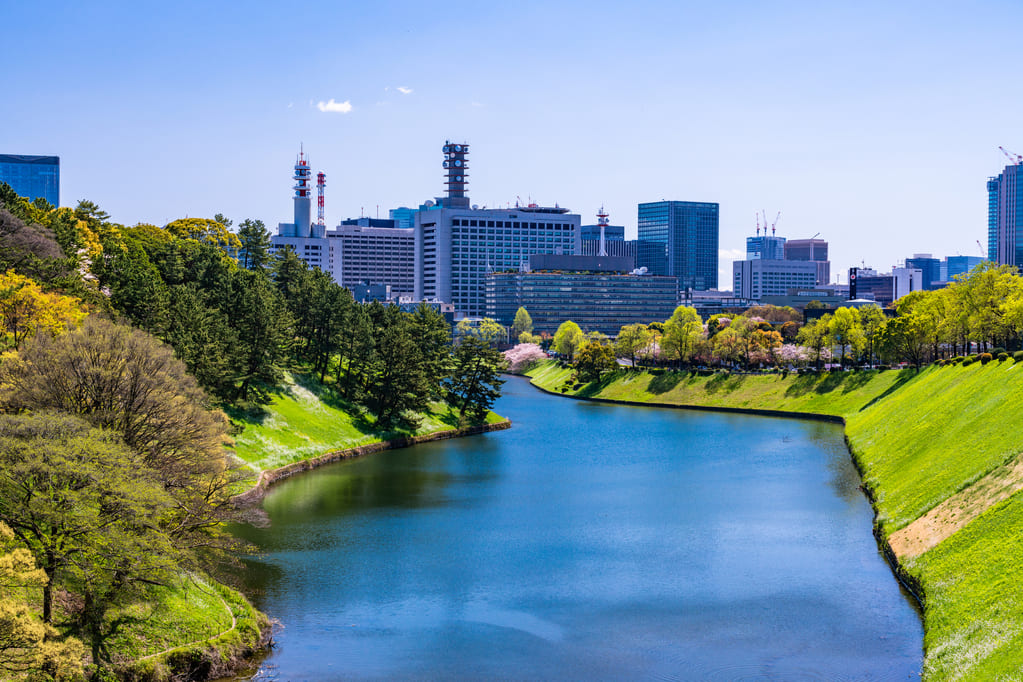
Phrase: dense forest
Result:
[122,346]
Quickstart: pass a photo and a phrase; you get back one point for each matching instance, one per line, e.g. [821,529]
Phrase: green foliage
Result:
[475,381]
[568,339]
[594,361]
[254,245]
[632,339]
[522,324]
[487,330]
[985,358]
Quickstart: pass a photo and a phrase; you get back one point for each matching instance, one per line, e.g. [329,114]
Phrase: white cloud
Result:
[291,105]
[404,91]
[334,106]
[477,104]
[731,254]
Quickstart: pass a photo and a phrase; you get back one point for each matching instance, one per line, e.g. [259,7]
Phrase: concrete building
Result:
[32,177]
[868,284]
[815,250]
[906,280]
[1005,216]
[595,292]
[680,239]
[754,279]
[308,240]
[625,249]
[373,255]
[612,233]
[457,244]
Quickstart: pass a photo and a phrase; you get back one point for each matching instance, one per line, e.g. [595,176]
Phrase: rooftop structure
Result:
[32,177]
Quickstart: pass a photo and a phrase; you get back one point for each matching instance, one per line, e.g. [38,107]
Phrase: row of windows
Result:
[514,224]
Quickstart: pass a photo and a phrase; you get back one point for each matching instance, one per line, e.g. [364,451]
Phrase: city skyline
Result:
[875,126]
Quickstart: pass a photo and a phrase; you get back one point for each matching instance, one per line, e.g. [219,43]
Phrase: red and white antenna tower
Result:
[321,183]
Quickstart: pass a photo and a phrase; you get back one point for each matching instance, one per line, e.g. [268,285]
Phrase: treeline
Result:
[121,344]
[980,311]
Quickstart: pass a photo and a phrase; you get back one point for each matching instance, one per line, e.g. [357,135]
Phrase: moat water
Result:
[589,541]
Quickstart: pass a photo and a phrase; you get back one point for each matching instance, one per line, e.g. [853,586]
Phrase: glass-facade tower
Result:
[1005,217]
[33,177]
[680,239]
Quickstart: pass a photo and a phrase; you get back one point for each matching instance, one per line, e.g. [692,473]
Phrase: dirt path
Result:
[957,511]
[234,624]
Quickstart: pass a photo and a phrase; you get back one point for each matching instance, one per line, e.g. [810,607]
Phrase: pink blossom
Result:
[523,356]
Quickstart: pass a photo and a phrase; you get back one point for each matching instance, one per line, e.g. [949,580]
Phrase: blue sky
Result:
[875,124]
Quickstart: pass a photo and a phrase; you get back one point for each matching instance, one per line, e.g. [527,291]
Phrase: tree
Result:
[522,324]
[123,379]
[872,320]
[487,330]
[205,230]
[844,331]
[254,253]
[433,333]
[523,356]
[568,339]
[25,309]
[814,335]
[680,334]
[263,324]
[202,338]
[631,339]
[28,646]
[398,388]
[594,360]
[475,381]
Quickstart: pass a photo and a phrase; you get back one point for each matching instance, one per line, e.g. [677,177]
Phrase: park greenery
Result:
[125,350]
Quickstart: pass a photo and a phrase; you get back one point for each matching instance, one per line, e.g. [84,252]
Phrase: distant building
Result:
[960,265]
[865,283]
[456,245]
[765,248]
[1005,216]
[373,255]
[403,217]
[371,222]
[906,280]
[306,239]
[626,249]
[32,177]
[592,291]
[930,268]
[612,233]
[799,298]
[680,239]
[754,279]
[811,250]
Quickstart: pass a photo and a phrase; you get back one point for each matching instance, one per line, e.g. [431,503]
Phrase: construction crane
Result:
[774,223]
[1016,159]
[983,253]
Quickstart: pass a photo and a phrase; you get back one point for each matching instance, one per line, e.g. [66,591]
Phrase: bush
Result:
[1018,355]
[1002,357]
[957,359]
[997,351]
[969,361]
[985,358]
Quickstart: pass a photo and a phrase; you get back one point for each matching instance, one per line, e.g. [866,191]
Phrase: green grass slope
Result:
[919,438]
[307,420]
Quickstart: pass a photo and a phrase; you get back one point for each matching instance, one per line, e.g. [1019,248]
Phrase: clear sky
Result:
[875,124]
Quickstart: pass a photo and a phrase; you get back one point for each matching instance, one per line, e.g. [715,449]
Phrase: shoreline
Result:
[270,477]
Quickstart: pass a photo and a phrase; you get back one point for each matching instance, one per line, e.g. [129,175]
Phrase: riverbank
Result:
[307,426]
[939,455]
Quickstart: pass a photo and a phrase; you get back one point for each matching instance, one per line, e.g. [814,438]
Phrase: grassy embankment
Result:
[307,420]
[943,443]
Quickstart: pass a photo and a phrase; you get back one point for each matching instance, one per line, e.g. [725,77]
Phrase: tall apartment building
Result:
[34,177]
[457,244]
[1005,216]
[680,239]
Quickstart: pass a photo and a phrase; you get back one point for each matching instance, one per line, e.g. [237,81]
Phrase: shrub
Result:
[969,361]
[1002,357]
[957,359]
[1018,355]
[997,351]
[985,358]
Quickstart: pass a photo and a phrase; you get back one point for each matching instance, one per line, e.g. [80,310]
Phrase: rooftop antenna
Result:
[602,221]
[758,222]
[321,182]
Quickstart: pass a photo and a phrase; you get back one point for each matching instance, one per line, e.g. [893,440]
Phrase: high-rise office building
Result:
[33,177]
[765,248]
[457,244]
[960,265]
[758,277]
[1005,216]
[930,269]
[403,217]
[680,239]
[811,250]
